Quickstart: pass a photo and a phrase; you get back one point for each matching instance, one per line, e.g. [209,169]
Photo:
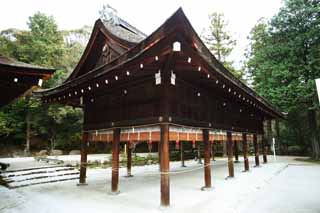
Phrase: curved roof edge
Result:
[9,62]
[116,33]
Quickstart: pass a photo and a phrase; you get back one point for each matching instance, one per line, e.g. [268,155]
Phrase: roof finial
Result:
[109,14]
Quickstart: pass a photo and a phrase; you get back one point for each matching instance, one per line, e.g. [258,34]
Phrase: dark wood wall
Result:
[212,106]
[143,102]
[138,102]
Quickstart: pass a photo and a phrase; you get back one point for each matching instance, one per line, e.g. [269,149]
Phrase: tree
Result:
[219,41]
[284,60]
[43,45]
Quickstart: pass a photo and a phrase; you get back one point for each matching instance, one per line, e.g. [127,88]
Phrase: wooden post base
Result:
[82,184]
[204,188]
[114,193]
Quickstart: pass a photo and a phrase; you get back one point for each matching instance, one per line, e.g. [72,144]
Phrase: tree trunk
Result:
[28,129]
[314,140]
[268,140]
[52,143]
[277,134]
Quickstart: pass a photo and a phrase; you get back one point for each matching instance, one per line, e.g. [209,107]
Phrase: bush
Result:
[295,150]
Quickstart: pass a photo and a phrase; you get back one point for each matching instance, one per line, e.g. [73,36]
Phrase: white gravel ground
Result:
[274,187]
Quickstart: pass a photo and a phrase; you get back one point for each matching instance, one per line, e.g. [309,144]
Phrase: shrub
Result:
[295,150]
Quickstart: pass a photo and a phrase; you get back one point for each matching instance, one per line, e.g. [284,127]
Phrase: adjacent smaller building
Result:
[17,78]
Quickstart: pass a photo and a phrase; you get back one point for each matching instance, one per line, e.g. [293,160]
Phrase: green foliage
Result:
[295,150]
[283,61]
[46,46]
[43,44]
[219,41]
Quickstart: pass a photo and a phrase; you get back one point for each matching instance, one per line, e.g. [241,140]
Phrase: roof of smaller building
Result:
[17,78]
[14,63]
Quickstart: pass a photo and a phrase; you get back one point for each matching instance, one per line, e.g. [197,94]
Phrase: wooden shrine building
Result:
[17,78]
[162,88]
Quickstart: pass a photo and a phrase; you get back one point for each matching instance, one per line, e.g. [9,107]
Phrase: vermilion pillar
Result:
[115,161]
[256,150]
[230,154]
[164,165]
[245,151]
[207,165]
[83,163]
[129,160]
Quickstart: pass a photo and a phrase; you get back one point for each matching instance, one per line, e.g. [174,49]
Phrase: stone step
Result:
[35,168]
[41,175]
[44,181]
[36,171]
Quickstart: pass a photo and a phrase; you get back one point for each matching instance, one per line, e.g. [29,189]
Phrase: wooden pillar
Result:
[207,165]
[199,153]
[230,154]
[129,160]
[159,155]
[256,149]
[164,165]
[83,161]
[245,151]
[213,150]
[182,153]
[115,161]
[264,150]
[236,151]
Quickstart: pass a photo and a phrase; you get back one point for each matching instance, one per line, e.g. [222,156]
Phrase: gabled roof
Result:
[176,27]
[120,37]
[16,78]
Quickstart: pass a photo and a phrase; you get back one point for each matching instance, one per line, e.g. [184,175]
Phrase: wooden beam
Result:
[83,161]
[245,151]
[164,165]
[230,154]
[256,150]
[207,164]
[115,161]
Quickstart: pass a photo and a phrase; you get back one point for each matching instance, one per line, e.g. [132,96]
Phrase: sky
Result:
[146,15]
